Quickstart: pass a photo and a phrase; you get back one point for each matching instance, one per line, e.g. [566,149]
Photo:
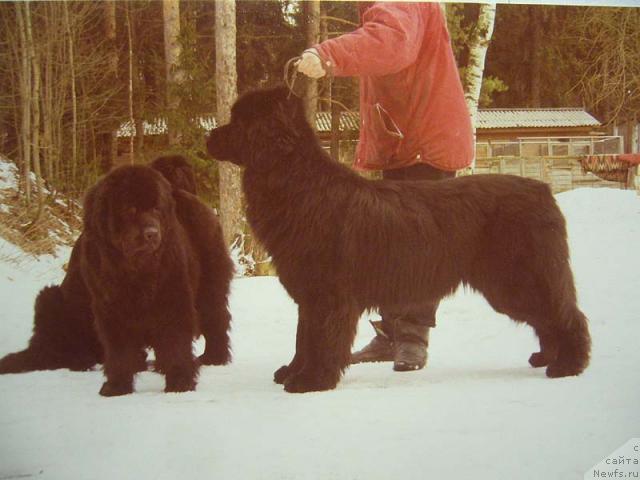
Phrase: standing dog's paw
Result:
[538,359]
[113,389]
[281,374]
[308,381]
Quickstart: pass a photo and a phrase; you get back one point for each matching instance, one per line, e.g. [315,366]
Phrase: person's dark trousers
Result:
[419,171]
[404,336]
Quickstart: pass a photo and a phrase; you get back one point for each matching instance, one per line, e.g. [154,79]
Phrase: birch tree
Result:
[226,93]
[475,68]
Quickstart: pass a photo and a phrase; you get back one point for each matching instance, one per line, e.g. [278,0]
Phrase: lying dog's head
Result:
[265,126]
[130,210]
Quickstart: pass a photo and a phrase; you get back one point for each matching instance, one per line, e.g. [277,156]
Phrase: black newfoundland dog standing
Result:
[343,244]
[149,269]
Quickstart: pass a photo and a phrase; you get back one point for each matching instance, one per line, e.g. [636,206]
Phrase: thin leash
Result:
[290,82]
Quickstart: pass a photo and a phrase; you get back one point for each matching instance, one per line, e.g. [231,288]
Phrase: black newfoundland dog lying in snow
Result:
[343,244]
[149,269]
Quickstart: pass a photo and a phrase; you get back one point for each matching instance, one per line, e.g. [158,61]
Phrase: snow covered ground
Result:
[478,411]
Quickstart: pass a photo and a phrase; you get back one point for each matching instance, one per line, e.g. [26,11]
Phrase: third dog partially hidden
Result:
[342,244]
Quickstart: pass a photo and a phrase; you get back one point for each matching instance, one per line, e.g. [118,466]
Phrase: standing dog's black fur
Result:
[342,244]
[150,268]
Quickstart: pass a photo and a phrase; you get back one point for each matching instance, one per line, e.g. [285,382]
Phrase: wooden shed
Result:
[555,145]
[544,132]
[564,147]
[513,123]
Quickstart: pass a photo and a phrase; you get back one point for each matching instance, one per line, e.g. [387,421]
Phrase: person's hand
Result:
[311,65]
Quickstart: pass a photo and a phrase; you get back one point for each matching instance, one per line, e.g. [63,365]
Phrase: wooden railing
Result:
[550,147]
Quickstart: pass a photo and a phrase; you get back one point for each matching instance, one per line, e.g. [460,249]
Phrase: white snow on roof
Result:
[158,126]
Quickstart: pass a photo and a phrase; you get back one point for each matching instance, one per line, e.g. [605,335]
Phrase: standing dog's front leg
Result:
[280,376]
[330,329]
[175,320]
[122,349]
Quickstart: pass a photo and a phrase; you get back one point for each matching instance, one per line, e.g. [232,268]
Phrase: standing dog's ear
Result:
[274,135]
[287,131]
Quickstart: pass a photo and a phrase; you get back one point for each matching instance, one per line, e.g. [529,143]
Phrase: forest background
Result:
[73,73]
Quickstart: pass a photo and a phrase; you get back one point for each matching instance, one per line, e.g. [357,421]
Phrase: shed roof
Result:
[490,118]
[348,121]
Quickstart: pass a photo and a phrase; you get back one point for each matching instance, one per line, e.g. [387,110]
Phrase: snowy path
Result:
[477,412]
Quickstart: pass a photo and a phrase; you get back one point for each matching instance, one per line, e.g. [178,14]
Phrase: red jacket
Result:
[412,107]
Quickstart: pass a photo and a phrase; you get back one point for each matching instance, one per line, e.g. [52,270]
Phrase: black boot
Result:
[380,349]
[410,346]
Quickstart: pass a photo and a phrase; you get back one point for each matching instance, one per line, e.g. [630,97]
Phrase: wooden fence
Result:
[562,173]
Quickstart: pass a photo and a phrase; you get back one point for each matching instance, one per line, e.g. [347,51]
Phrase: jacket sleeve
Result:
[387,42]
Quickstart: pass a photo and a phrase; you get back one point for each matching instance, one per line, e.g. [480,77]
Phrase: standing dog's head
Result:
[265,127]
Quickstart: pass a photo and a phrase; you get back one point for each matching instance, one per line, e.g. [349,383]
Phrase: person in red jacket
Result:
[414,125]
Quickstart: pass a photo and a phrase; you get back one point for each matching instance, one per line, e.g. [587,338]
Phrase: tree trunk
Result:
[171,19]
[130,84]
[334,108]
[335,128]
[57,97]
[74,99]
[110,36]
[35,124]
[138,92]
[226,93]
[535,19]
[110,29]
[311,14]
[635,148]
[47,102]
[25,105]
[475,67]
